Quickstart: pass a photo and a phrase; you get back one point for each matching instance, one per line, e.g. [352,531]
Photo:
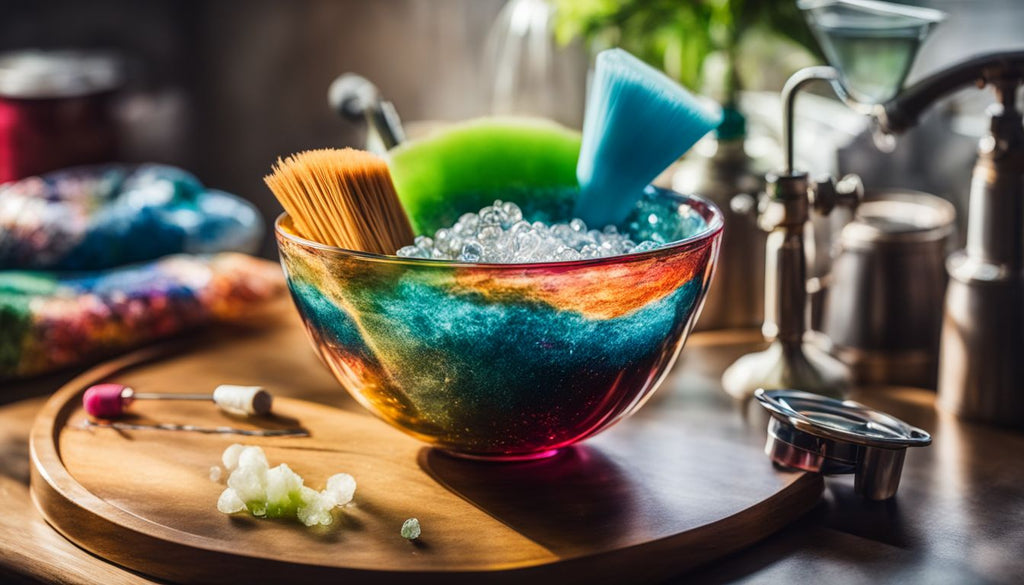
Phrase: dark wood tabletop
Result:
[958,517]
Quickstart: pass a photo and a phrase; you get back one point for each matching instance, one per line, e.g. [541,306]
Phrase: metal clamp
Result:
[834,437]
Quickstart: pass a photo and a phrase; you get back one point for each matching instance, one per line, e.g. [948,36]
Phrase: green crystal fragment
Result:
[411,529]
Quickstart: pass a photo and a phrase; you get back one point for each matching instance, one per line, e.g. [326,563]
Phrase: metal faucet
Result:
[791,361]
[981,357]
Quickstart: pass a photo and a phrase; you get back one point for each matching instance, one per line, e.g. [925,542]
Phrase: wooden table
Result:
[959,516]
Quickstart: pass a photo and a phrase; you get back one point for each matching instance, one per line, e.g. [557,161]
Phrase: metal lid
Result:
[33,74]
[830,436]
[899,217]
[841,420]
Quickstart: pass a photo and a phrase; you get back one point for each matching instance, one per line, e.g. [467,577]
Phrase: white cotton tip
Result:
[341,488]
[229,502]
[242,400]
[215,473]
[230,456]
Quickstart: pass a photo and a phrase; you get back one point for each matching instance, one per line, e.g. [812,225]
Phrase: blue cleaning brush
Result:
[636,123]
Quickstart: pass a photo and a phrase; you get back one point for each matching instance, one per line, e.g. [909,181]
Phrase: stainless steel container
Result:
[981,371]
[883,312]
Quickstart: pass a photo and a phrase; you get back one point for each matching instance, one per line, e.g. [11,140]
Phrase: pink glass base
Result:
[499,458]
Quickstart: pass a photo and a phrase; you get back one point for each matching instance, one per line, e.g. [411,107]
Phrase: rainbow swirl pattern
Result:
[503,361]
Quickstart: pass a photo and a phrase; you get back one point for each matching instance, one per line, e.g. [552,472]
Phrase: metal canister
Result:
[55,111]
[883,311]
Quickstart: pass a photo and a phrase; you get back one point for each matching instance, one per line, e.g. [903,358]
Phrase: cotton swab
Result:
[107,401]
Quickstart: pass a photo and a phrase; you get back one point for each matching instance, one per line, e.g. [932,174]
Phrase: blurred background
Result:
[223,87]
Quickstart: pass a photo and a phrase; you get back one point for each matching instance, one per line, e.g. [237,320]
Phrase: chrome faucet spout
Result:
[789,92]
[902,112]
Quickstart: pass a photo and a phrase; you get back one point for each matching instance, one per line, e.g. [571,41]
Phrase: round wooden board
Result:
[673,487]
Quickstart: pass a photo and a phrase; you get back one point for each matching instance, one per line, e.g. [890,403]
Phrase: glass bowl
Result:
[502,361]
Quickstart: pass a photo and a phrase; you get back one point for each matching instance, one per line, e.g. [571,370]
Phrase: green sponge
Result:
[468,165]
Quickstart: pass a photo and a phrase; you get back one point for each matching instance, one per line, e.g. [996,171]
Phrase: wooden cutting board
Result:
[677,485]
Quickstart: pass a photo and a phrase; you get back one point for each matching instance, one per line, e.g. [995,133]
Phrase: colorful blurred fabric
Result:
[99,260]
[97,217]
[48,321]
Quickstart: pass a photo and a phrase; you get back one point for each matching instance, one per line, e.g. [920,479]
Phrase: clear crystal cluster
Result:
[278,492]
[499,234]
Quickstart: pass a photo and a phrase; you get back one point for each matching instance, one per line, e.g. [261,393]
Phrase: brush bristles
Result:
[342,198]
[637,122]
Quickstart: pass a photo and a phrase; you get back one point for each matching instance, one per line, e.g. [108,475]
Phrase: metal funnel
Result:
[873,44]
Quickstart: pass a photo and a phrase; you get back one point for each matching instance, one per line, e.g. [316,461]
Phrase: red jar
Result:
[55,111]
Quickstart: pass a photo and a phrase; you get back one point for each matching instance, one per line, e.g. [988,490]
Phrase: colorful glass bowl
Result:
[502,361]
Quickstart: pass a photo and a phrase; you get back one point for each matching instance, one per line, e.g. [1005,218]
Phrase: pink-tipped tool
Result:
[107,401]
